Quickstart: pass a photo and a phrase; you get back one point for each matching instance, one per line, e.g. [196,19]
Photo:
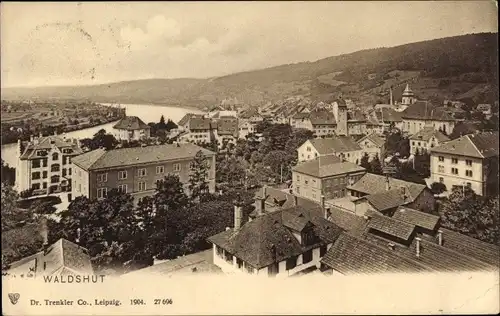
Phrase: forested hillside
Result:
[442,68]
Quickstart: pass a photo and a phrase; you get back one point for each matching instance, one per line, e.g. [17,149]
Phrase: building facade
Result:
[131,128]
[471,160]
[341,146]
[372,145]
[135,170]
[422,114]
[44,164]
[426,139]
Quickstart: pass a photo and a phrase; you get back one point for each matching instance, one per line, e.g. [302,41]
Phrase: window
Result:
[67,151]
[308,148]
[45,174]
[44,162]
[55,156]
[440,168]
[69,171]
[307,256]
[142,186]
[441,158]
[219,250]
[413,143]
[454,160]
[306,181]
[102,177]
[157,182]
[141,172]
[468,173]
[122,188]
[249,268]
[160,169]
[291,263]
[441,180]
[322,251]
[55,168]
[177,167]
[468,162]
[122,174]
[35,163]
[102,193]
[54,179]
[35,186]
[41,153]
[469,184]
[454,170]
[239,263]
[64,172]
[35,176]
[228,257]
[419,144]
[44,185]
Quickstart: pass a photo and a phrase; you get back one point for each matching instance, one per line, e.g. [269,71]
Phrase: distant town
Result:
[286,188]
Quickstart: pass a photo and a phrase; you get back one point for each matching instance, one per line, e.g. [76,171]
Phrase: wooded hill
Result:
[450,67]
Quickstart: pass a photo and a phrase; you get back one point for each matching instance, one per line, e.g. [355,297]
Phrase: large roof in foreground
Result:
[481,145]
[100,158]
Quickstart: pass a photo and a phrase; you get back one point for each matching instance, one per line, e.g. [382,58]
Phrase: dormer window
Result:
[67,151]
[308,237]
[41,153]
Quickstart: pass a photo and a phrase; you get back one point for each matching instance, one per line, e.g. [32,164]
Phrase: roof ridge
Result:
[401,256]
[457,253]
[475,147]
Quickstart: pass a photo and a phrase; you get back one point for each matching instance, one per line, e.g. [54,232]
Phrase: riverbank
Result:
[12,136]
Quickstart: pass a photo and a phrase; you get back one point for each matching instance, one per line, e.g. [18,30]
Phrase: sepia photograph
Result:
[265,157]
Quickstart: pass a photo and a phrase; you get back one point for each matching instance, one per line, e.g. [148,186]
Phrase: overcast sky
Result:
[86,43]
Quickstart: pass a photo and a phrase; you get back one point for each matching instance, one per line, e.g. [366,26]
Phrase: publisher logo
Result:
[14,297]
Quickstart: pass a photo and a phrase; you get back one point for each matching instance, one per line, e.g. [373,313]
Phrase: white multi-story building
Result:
[44,164]
[426,139]
[340,146]
[131,128]
[422,114]
[471,160]
[277,244]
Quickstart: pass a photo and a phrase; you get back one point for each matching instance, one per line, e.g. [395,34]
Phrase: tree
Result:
[365,161]
[101,226]
[198,175]
[169,195]
[276,160]
[376,165]
[8,174]
[100,140]
[438,187]
[162,124]
[170,125]
[472,215]
[422,164]
[12,216]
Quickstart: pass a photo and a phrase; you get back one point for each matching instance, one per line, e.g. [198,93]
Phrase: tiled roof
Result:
[202,262]
[228,126]
[356,116]
[131,123]
[266,240]
[373,183]
[351,255]
[45,143]
[348,221]
[301,115]
[427,133]
[387,200]
[322,117]
[278,199]
[321,168]
[99,158]
[185,119]
[335,144]
[391,226]
[377,140]
[420,219]
[249,113]
[388,115]
[424,110]
[62,257]
[196,123]
[481,145]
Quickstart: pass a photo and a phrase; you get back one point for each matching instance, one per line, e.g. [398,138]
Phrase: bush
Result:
[438,187]
[26,193]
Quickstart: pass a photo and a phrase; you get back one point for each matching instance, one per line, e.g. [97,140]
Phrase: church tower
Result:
[340,113]
[408,96]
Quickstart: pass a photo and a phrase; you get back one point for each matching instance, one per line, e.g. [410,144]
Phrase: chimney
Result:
[387,184]
[323,208]
[40,135]
[44,232]
[440,237]
[238,214]
[403,193]
[261,207]
[78,232]
[418,246]
[295,200]
[390,93]
[31,138]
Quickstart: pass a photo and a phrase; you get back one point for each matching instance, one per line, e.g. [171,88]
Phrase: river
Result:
[147,113]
